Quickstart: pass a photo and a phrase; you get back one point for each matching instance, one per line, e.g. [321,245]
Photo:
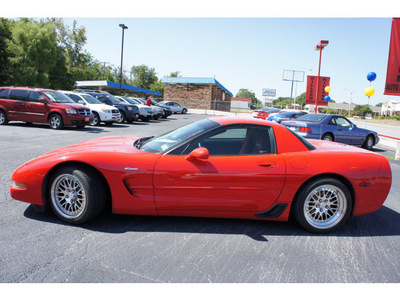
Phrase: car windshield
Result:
[285,114]
[90,99]
[58,97]
[313,118]
[163,143]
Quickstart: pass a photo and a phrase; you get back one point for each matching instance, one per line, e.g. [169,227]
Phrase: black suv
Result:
[129,112]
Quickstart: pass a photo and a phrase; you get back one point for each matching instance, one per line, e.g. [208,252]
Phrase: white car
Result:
[145,112]
[101,112]
[175,107]
[157,110]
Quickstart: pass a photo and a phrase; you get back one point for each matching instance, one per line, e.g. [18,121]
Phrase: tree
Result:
[5,37]
[245,93]
[33,53]
[143,76]
[362,110]
[175,74]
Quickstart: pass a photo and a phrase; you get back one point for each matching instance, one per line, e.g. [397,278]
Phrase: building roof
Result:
[194,81]
[113,86]
[241,99]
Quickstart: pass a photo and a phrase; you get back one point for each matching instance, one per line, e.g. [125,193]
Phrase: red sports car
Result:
[217,167]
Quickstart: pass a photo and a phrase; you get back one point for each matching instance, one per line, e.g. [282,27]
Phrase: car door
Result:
[345,133]
[37,110]
[18,108]
[243,173]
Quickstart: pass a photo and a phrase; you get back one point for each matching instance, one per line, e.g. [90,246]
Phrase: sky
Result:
[243,48]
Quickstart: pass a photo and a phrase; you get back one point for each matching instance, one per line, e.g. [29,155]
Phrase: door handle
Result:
[268,164]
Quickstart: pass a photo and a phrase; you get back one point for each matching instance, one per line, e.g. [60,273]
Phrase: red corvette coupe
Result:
[217,167]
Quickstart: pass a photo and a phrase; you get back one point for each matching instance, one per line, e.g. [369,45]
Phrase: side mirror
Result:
[198,153]
[42,100]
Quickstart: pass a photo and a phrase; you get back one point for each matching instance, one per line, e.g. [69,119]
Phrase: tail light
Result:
[305,129]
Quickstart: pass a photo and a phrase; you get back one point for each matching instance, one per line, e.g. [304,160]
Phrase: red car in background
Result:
[218,167]
[34,105]
[264,112]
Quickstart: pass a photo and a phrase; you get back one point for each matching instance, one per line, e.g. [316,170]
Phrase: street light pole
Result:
[351,93]
[122,56]
[319,47]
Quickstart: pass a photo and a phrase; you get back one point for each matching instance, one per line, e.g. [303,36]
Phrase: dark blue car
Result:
[332,128]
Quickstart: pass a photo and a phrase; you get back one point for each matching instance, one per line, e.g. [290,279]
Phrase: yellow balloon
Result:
[327,89]
[369,91]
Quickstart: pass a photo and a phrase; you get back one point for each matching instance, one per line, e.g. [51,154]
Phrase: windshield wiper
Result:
[139,143]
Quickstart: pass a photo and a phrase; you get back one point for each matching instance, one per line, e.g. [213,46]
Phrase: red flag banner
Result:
[392,86]
[312,87]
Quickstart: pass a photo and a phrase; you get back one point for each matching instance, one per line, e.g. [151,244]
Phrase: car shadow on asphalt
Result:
[384,222]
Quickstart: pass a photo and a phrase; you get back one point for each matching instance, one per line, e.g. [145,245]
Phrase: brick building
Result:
[197,92]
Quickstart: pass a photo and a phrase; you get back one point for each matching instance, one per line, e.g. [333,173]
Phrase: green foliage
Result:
[143,76]
[34,53]
[362,110]
[245,93]
[328,110]
[175,74]
[5,36]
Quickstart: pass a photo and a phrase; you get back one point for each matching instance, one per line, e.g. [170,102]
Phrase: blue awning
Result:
[109,85]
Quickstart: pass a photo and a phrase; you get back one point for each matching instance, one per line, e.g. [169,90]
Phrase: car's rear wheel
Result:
[327,137]
[3,118]
[323,205]
[369,142]
[56,121]
[77,194]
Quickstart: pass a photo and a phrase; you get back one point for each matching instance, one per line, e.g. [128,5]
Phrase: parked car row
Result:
[76,108]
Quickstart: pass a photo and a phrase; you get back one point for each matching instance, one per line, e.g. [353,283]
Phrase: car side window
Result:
[332,121]
[20,95]
[343,122]
[233,141]
[4,93]
[34,96]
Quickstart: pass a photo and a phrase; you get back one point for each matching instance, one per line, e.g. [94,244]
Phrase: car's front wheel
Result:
[77,194]
[184,111]
[96,119]
[122,117]
[323,205]
[56,121]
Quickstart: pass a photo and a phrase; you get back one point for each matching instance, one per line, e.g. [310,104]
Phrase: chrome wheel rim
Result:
[68,196]
[370,142]
[2,118]
[95,120]
[55,122]
[325,206]
[328,138]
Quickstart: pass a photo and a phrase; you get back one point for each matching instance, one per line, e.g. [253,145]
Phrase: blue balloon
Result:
[371,76]
[327,98]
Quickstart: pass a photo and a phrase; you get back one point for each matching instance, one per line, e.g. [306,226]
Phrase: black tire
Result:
[184,111]
[369,142]
[146,119]
[3,117]
[80,126]
[96,119]
[328,137]
[122,118]
[323,205]
[56,122]
[109,123]
[77,194]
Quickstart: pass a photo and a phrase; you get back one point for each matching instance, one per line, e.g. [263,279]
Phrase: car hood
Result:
[73,105]
[99,106]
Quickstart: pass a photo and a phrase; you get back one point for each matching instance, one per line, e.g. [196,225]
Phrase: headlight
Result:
[130,108]
[70,111]
[106,110]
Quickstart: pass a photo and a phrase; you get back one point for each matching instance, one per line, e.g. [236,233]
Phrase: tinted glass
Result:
[19,94]
[34,96]
[4,93]
[314,118]
[76,98]
[90,99]
[169,140]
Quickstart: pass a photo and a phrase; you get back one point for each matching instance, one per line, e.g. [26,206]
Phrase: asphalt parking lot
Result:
[37,247]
